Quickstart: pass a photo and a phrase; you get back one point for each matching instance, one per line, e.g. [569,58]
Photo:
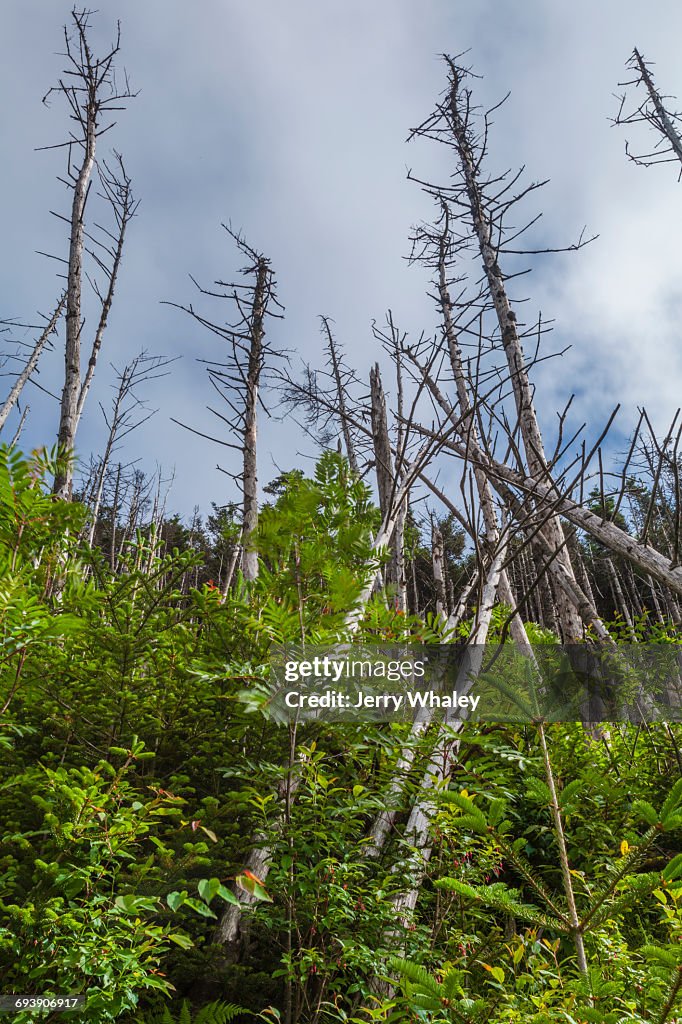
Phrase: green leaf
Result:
[208,887]
[673,869]
[128,904]
[200,907]
[176,899]
[228,896]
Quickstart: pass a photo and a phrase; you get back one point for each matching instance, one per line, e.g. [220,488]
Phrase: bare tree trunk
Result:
[250,474]
[231,566]
[118,190]
[438,768]
[656,603]
[385,820]
[387,483]
[238,379]
[385,533]
[571,626]
[91,94]
[656,115]
[68,416]
[585,580]
[340,397]
[114,515]
[398,558]
[437,559]
[20,426]
[25,374]
[227,931]
[383,456]
[619,598]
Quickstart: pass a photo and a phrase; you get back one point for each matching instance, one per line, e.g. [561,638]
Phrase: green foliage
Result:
[138,773]
[216,1012]
[73,924]
[314,544]
[37,549]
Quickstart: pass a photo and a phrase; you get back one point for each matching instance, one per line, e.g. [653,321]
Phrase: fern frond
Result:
[416,974]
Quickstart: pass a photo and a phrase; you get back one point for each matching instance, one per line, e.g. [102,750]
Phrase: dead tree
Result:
[483,206]
[383,457]
[238,377]
[438,558]
[92,95]
[116,189]
[483,230]
[666,124]
[324,404]
[514,488]
[128,412]
[440,763]
[393,341]
[341,378]
[31,363]
[436,250]
[387,480]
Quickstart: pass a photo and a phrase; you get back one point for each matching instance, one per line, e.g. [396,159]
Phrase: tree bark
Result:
[386,483]
[665,125]
[437,560]
[250,473]
[68,415]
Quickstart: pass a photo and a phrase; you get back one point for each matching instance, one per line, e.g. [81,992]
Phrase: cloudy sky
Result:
[290,120]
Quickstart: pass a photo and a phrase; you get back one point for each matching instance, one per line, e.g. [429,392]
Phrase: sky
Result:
[290,121]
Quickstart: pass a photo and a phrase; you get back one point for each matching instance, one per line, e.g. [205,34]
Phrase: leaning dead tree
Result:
[654,111]
[31,363]
[92,94]
[238,377]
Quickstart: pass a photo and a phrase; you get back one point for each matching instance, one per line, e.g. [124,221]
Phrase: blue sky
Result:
[290,120]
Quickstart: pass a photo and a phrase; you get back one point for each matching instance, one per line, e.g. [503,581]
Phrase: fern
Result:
[499,897]
[417,975]
[217,1012]
[471,817]
[673,800]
